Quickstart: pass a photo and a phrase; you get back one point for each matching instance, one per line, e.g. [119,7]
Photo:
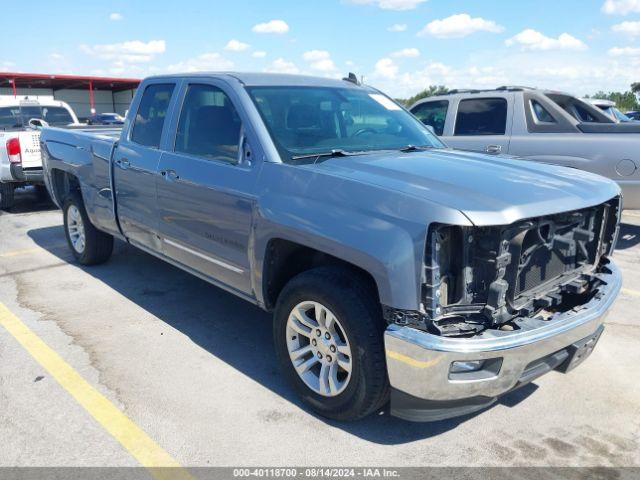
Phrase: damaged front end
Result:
[499,277]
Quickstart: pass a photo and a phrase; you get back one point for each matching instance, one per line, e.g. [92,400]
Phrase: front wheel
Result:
[89,245]
[328,332]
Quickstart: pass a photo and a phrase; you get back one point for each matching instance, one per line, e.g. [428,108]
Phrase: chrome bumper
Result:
[419,363]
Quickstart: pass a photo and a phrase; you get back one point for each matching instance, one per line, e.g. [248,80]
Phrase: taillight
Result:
[14,151]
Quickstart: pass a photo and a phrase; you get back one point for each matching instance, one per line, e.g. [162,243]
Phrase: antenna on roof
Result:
[352,78]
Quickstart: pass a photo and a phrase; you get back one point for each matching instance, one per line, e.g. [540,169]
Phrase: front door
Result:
[135,165]
[206,188]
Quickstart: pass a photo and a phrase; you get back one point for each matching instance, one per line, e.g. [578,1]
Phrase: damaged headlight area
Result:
[478,278]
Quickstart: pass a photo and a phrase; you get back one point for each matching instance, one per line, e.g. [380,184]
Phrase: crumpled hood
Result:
[489,190]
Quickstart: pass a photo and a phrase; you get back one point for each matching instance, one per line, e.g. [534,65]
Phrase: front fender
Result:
[380,231]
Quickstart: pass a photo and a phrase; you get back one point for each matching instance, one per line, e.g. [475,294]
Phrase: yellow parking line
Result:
[130,436]
[29,251]
[628,291]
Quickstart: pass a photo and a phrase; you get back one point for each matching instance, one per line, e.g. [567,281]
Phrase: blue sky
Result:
[400,46]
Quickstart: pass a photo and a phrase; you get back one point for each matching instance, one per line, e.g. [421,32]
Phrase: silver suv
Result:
[539,125]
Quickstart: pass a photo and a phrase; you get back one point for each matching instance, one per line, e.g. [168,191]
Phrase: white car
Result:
[20,162]
[609,108]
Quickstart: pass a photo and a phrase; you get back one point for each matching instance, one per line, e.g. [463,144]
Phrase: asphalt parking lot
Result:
[193,367]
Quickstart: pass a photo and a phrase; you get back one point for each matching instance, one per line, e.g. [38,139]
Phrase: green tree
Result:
[625,101]
[428,92]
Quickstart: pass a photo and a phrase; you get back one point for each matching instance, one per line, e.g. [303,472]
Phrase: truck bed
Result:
[84,152]
[75,145]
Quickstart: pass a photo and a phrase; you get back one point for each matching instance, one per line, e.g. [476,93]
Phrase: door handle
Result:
[123,163]
[493,149]
[169,175]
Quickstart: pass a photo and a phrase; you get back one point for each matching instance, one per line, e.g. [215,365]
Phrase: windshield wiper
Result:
[413,148]
[330,154]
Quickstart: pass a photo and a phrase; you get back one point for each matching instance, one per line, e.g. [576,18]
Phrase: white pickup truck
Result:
[20,161]
[538,125]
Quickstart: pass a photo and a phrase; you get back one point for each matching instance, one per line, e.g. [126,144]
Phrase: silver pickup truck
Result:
[541,126]
[396,268]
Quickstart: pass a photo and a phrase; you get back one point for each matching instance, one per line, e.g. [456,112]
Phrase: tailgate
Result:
[30,146]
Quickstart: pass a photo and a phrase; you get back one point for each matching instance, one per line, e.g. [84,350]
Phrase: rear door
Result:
[206,186]
[136,161]
[482,124]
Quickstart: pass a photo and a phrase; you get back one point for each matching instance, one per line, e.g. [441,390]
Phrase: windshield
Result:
[308,120]
[19,116]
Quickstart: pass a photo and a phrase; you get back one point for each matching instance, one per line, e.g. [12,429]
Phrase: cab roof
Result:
[256,79]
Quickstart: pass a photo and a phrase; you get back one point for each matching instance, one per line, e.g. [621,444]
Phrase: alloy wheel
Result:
[319,348]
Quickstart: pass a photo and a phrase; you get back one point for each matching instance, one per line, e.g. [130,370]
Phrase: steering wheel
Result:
[364,130]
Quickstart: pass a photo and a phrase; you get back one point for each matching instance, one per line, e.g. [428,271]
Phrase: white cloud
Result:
[116,17]
[280,65]
[624,52]
[577,74]
[236,46]
[259,54]
[56,57]
[460,25]
[319,60]
[631,29]
[315,55]
[531,39]
[133,51]
[206,61]
[406,53]
[397,27]
[621,7]
[273,26]
[390,4]
[385,68]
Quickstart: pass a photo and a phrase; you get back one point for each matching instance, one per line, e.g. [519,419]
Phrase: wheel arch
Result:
[284,259]
[62,184]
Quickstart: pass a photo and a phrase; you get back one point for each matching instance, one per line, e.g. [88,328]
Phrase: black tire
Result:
[355,305]
[98,245]
[6,195]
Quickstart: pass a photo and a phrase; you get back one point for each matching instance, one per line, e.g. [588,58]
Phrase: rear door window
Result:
[433,114]
[149,121]
[482,116]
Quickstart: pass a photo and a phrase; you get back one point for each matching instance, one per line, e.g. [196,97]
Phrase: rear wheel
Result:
[89,245]
[6,195]
[328,332]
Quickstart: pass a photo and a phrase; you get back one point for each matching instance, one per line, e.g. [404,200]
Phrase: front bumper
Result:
[423,389]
